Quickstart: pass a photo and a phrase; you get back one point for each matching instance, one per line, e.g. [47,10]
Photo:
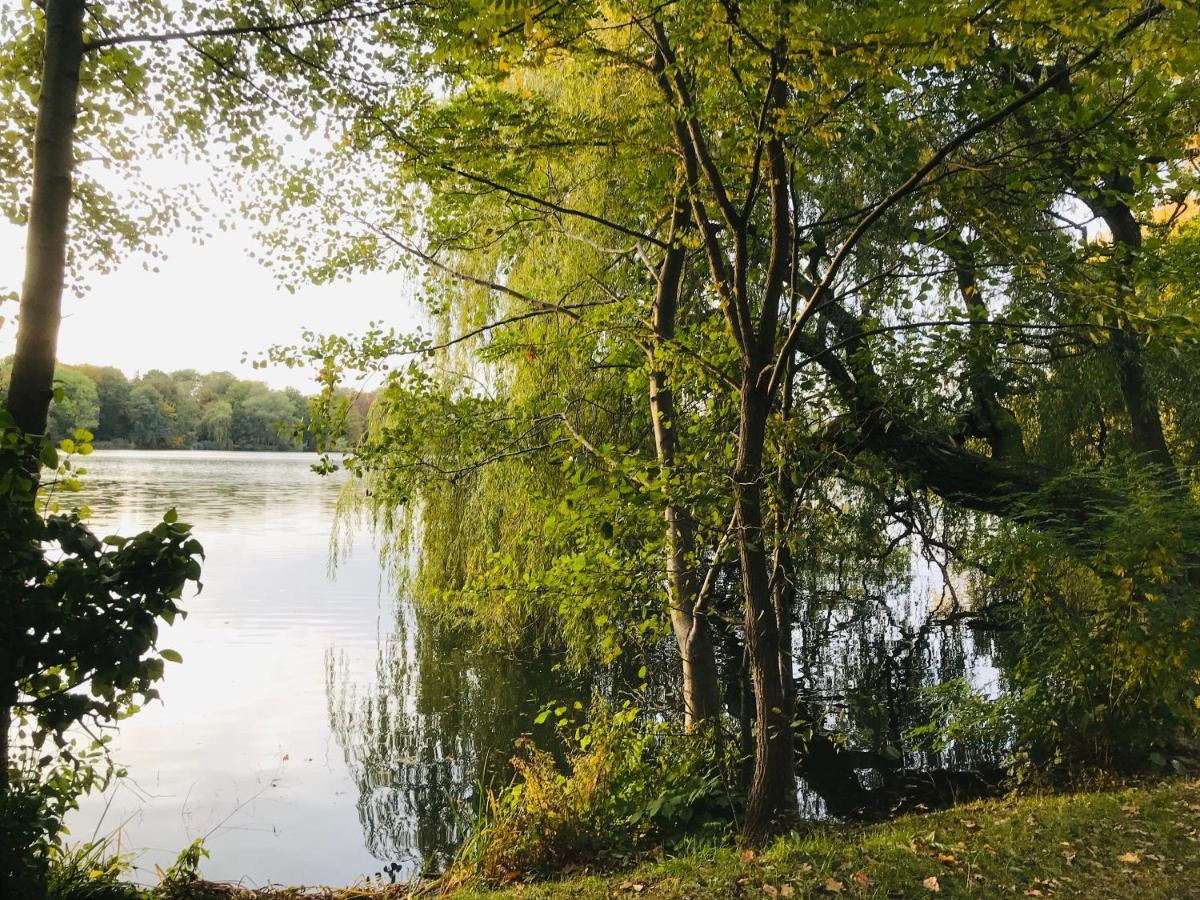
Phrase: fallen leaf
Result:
[787,891]
[832,886]
[931,884]
[1034,892]
[947,858]
[1069,856]
[860,878]
[747,855]
[970,825]
[770,890]
[1130,858]
[1131,809]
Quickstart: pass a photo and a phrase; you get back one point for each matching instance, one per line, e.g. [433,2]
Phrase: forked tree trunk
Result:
[32,383]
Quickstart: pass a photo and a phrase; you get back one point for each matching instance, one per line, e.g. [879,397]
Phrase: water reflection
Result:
[240,749]
[439,720]
[319,731]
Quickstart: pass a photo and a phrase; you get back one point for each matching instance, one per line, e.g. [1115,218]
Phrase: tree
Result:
[151,417]
[216,424]
[79,406]
[103,49]
[840,174]
[112,390]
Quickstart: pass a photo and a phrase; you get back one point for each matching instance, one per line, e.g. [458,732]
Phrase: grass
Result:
[1132,843]
[1138,842]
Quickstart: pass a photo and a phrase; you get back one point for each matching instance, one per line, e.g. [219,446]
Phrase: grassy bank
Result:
[1139,843]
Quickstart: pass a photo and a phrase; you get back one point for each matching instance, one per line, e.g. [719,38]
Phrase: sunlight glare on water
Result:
[240,751]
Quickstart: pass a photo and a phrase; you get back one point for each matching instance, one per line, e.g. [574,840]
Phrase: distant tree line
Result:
[181,410]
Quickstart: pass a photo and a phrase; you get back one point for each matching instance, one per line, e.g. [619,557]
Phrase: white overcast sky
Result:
[206,307]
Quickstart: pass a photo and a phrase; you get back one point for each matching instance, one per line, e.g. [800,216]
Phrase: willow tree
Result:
[809,193]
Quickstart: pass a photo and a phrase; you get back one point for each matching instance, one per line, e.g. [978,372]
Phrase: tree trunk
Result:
[32,383]
[772,798]
[1141,401]
[782,575]
[701,689]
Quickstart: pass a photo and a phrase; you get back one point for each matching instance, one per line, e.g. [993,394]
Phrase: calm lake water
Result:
[303,737]
[315,735]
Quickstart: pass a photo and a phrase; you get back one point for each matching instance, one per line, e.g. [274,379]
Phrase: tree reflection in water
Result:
[437,722]
[440,716]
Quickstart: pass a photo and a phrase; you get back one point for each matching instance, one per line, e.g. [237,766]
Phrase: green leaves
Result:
[79,644]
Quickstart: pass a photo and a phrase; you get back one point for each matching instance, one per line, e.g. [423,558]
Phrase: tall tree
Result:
[831,162]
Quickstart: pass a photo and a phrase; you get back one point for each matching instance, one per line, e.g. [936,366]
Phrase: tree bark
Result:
[772,797]
[1141,402]
[701,689]
[32,382]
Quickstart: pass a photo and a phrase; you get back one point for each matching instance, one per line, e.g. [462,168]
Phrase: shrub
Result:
[1098,638]
[962,720]
[628,785]
[89,872]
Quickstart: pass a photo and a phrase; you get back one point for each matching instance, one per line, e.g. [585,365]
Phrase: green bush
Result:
[961,718]
[628,785]
[1098,641]
[25,822]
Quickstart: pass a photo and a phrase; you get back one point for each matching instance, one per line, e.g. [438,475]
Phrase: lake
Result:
[295,737]
[314,734]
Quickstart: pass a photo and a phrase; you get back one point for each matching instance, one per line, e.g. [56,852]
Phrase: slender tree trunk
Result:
[1141,401]
[772,798]
[782,577]
[701,690]
[32,384]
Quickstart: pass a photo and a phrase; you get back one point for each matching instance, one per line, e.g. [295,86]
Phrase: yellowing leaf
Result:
[931,884]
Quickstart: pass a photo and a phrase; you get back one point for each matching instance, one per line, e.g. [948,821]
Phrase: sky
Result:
[207,307]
